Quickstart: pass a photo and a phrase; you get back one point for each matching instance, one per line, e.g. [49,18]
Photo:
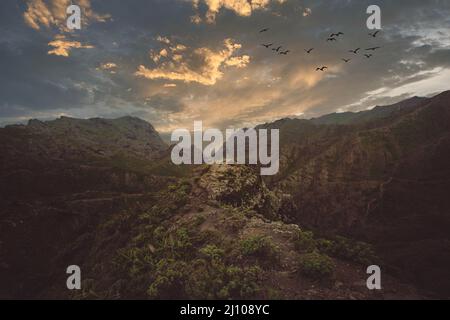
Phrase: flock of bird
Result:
[270,45]
[332,38]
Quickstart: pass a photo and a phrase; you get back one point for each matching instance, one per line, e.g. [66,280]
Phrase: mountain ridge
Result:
[346,196]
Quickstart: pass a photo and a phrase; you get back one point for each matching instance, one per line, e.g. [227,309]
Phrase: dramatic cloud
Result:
[240,7]
[52,13]
[177,64]
[62,46]
[189,73]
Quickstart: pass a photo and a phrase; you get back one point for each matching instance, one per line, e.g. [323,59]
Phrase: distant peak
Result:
[130,118]
[443,94]
[33,122]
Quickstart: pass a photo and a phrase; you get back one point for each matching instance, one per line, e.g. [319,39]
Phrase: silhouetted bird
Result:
[331,39]
[346,60]
[267,45]
[355,51]
[264,30]
[285,52]
[373,49]
[336,34]
[321,68]
[368,55]
[374,34]
[309,50]
[277,49]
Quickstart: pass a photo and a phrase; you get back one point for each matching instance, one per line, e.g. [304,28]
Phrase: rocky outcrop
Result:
[240,186]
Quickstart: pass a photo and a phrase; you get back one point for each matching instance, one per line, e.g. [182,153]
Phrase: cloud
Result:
[202,65]
[238,62]
[52,13]
[108,66]
[307,12]
[165,104]
[163,40]
[35,84]
[243,8]
[62,46]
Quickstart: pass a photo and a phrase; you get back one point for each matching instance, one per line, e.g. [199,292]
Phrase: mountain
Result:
[383,181]
[103,194]
[68,138]
[57,181]
[379,112]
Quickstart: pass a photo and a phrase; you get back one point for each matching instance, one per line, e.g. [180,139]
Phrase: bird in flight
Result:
[355,51]
[264,30]
[285,52]
[267,45]
[322,68]
[277,49]
[336,34]
[346,60]
[331,39]
[374,34]
[309,50]
[373,49]
[368,55]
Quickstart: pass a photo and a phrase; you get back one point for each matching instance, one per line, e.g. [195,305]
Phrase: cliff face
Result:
[104,195]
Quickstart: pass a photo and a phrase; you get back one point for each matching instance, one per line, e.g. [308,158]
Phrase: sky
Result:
[173,62]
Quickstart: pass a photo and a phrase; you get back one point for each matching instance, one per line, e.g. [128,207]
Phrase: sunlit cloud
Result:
[307,12]
[108,66]
[62,46]
[190,72]
[243,8]
[52,13]
[201,65]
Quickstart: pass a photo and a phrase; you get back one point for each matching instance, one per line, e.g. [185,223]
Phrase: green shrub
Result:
[212,252]
[355,251]
[170,280]
[317,266]
[260,247]
[178,244]
[177,195]
[325,246]
[216,280]
[304,241]
[201,279]
[242,283]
